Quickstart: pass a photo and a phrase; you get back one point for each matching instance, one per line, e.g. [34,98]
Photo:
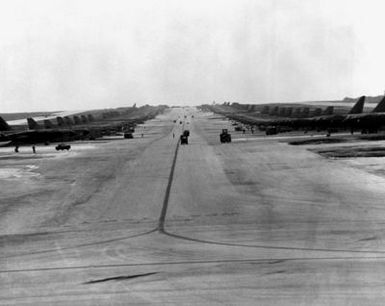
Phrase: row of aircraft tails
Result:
[46,131]
[355,119]
[78,127]
[61,122]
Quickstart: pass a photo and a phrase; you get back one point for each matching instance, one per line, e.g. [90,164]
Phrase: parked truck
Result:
[183,139]
[225,136]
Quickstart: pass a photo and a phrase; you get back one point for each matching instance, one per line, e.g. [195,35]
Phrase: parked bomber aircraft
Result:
[42,134]
[37,134]
[327,122]
[4,125]
[355,120]
[84,126]
[368,122]
[323,122]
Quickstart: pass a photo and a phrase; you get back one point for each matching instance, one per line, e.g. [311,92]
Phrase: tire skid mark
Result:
[199,262]
[118,278]
[270,247]
[80,245]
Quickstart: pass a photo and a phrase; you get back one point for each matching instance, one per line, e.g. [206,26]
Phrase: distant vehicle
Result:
[225,136]
[271,130]
[238,128]
[174,121]
[183,139]
[62,147]
[128,135]
[186,133]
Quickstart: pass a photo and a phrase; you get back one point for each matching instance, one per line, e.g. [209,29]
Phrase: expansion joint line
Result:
[163,213]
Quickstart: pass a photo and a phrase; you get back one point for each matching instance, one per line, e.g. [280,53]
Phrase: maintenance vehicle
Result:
[62,146]
[225,136]
[271,130]
[183,139]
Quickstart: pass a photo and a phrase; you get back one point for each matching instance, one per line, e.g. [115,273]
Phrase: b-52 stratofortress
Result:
[79,127]
[369,122]
[319,123]
[326,122]
[354,120]
[18,136]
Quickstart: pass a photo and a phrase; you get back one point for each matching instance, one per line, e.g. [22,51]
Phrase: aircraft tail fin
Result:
[76,119]
[329,110]
[84,119]
[359,106]
[317,112]
[67,120]
[60,121]
[380,108]
[4,125]
[48,124]
[32,124]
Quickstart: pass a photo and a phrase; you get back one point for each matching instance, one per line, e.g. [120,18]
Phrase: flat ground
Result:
[148,221]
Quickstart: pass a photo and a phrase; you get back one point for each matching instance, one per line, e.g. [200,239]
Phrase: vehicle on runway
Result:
[183,139]
[62,146]
[271,130]
[225,136]
[128,135]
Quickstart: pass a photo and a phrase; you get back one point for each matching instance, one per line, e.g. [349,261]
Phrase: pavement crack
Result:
[118,278]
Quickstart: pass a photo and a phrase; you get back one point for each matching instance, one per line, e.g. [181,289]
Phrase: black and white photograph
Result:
[192,152]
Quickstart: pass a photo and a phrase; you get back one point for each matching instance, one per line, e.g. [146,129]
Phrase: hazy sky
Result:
[57,55]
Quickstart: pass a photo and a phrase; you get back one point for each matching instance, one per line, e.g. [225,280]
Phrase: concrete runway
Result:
[148,221]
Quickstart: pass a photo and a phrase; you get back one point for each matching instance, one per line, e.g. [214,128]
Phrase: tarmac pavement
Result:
[150,221]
